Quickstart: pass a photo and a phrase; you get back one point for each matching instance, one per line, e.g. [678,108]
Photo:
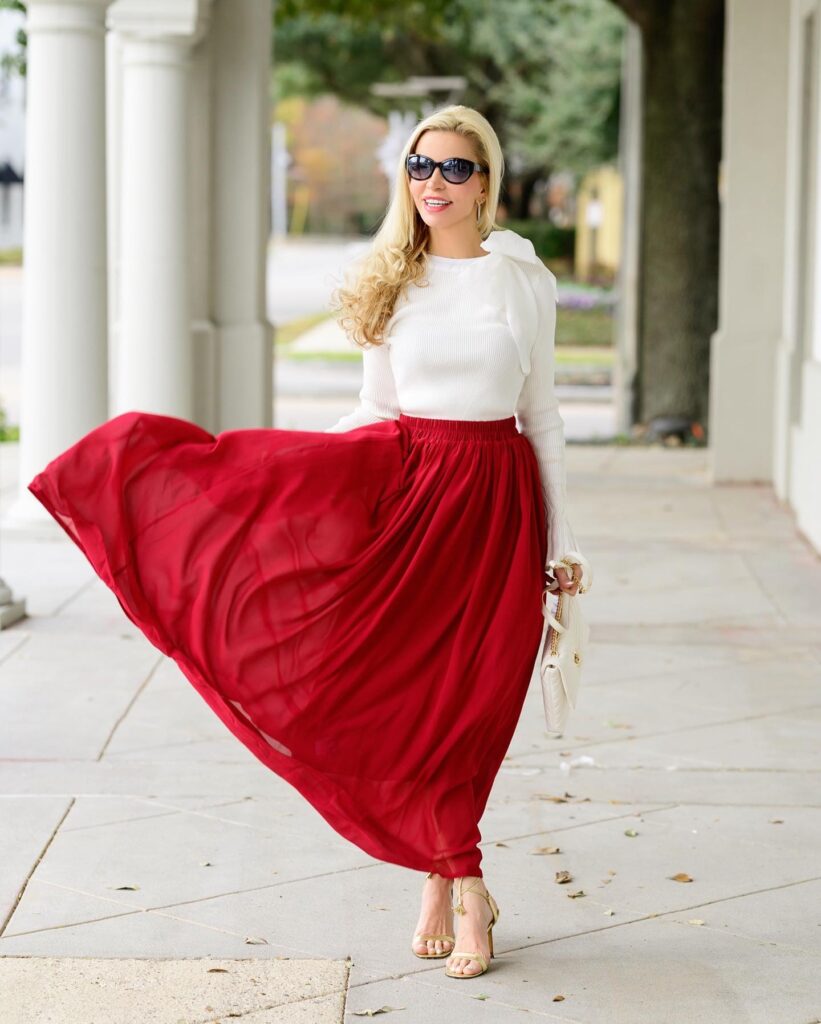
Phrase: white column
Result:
[241,213]
[63,386]
[752,240]
[154,370]
[797,421]
[154,364]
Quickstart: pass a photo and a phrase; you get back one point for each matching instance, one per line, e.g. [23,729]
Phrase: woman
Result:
[361,606]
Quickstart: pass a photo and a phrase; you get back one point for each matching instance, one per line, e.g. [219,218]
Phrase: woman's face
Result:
[461,199]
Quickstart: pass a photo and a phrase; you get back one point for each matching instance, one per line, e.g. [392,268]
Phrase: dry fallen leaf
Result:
[546,849]
[254,941]
[630,832]
[776,821]
[563,876]
[680,877]
[373,1013]
[695,920]
[609,913]
[560,799]
[479,997]
[133,888]
[500,844]
[557,999]
[575,895]
[217,970]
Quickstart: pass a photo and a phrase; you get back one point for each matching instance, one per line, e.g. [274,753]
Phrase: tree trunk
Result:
[524,193]
[678,278]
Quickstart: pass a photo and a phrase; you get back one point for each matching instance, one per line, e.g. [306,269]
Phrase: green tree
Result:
[544,72]
[14,63]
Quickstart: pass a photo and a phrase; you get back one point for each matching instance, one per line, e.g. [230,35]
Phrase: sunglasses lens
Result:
[457,170]
[420,167]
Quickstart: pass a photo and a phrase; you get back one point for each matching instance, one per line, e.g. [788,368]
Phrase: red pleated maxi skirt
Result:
[361,609]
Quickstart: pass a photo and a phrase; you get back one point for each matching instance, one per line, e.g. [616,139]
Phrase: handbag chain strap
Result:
[554,633]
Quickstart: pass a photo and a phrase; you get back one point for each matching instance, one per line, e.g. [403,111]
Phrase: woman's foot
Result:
[473,925]
[435,918]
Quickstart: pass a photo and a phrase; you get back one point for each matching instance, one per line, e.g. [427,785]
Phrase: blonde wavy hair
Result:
[364,304]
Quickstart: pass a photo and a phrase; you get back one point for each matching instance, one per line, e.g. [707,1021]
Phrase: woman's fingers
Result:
[568,586]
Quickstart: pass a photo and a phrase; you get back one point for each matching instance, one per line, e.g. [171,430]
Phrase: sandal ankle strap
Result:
[459,907]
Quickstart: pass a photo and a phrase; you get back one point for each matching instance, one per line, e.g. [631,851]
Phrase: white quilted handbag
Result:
[564,645]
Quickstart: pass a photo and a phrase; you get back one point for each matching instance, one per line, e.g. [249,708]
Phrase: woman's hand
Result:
[564,581]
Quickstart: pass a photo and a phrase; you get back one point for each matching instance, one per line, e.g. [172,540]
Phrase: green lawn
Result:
[582,336]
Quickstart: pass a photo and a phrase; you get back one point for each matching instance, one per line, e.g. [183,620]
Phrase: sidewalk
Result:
[138,835]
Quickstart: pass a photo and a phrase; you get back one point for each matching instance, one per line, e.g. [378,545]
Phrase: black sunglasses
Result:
[455,169]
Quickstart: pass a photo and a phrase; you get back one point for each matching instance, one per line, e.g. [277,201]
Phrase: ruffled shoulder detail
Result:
[521,305]
[510,243]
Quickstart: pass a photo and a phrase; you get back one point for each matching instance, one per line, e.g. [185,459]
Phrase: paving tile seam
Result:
[118,721]
[247,825]
[577,824]
[128,754]
[745,637]
[696,726]
[21,891]
[739,581]
[305,953]
[232,934]
[671,826]
[143,817]
[21,642]
[158,913]
[757,939]
[419,977]
[191,812]
[642,915]
[750,563]
[754,571]
[75,594]
[214,896]
[659,769]
[802,659]
[660,915]
[68,924]
[220,1019]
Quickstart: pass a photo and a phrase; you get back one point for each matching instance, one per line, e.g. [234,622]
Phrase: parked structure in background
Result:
[599,204]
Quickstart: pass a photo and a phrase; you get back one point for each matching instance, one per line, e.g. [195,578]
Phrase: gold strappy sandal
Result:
[474,954]
[424,936]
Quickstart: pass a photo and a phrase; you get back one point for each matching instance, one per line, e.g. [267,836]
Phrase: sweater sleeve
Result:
[538,413]
[377,396]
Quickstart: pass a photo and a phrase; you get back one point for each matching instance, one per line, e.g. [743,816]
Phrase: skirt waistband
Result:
[457,429]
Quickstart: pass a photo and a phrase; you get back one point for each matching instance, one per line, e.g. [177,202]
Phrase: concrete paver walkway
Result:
[143,846]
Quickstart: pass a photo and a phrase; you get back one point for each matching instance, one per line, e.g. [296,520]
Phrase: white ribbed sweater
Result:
[477,343]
